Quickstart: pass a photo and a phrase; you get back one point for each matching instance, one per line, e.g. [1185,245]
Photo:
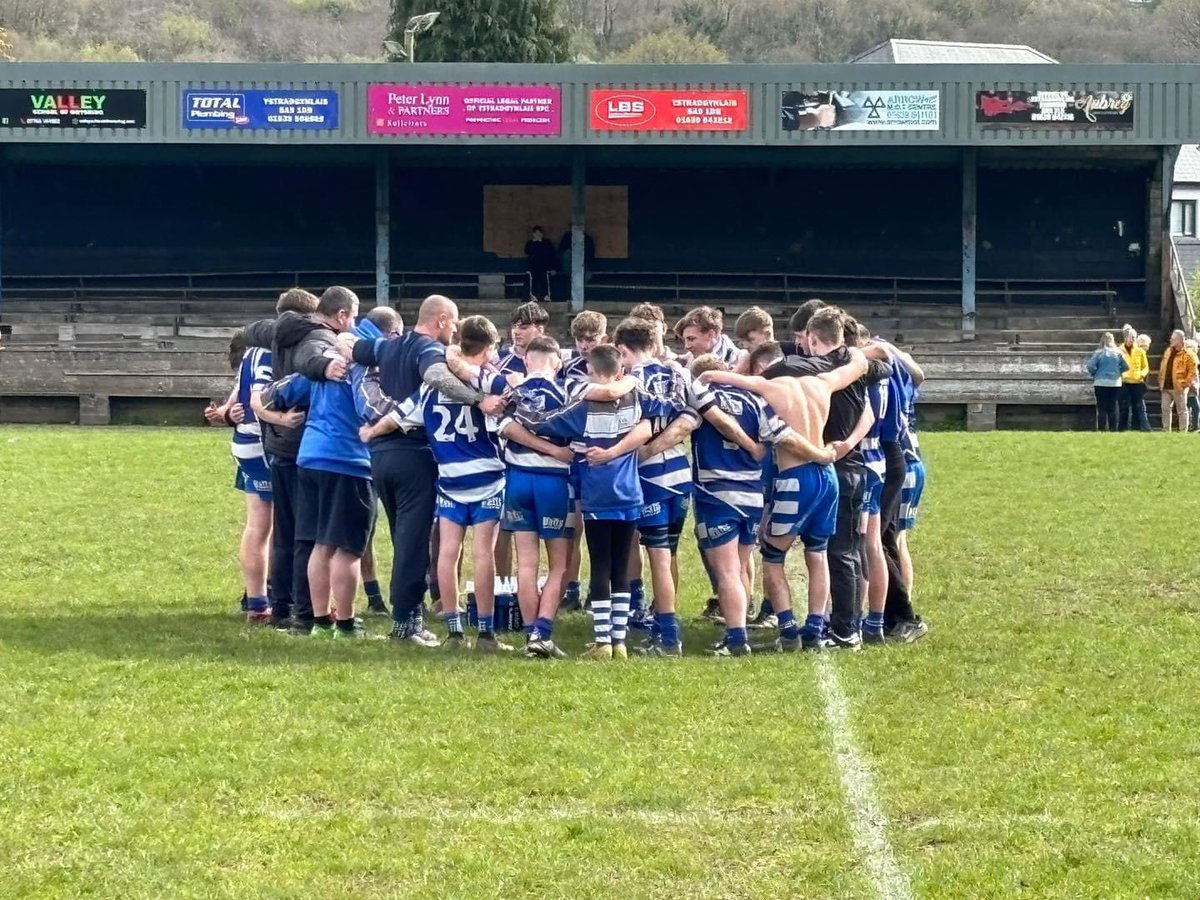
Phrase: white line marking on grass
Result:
[867,820]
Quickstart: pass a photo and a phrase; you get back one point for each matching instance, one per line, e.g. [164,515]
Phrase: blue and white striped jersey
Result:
[676,393]
[254,374]
[900,422]
[574,369]
[610,488]
[872,451]
[537,395]
[727,351]
[511,364]
[464,441]
[724,472]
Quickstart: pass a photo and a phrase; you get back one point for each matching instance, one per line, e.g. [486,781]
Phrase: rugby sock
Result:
[601,620]
[874,621]
[346,624]
[545,627]
[620,617]
[766,608]
[530,632]
[572,594]
[485,625]
[637,594]
[814,626]
[787,625]
[323,621]
[668,628]
[735,637]
[372,590]
[453,623]
[256,604]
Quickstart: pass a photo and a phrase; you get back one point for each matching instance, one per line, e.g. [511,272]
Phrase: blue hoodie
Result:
[330,442]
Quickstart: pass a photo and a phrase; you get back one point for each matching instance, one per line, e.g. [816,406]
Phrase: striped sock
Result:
[545,628]
[814,626]
[601,622]
[668,628]
[620,617]
[735,637]
[453,623]
[787,625]
[874,621]
[485,624]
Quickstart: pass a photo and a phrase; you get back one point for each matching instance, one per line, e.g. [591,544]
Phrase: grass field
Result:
[1043,741]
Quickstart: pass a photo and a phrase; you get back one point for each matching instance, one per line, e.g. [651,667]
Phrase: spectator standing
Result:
[1175,377]
[1131,400]
[540,260]
[1106,366]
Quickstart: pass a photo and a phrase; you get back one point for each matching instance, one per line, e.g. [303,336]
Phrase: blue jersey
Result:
[464,443]
[402,365]
[511,364]
[872,451]
[574,370]
[900,421]
[330,442]
[542,395]
[254,374]
[671,393]
[725,473]
[605,490]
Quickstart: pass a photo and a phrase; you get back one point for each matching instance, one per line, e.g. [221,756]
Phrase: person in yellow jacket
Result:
[1175,379]
[1131,400]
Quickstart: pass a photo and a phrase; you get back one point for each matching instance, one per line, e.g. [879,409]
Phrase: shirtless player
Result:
[804,495]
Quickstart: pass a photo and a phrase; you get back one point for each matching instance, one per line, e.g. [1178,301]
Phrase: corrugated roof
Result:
[1187,165]
[901,50]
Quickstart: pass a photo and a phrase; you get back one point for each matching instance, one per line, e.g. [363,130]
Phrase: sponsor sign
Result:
[72,108]
[280,109]
[464,109]
[667,110]
[1055,109]
[834,110]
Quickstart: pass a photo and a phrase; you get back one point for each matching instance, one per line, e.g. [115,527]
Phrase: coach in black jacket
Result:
[302,339]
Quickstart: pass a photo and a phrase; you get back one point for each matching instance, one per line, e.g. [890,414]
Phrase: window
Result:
[1183,217]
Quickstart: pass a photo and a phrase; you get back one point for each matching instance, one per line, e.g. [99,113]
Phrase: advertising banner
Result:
[72,108]
[279,109]
[464,109]
[1055,109]
[835,110]
[667,110]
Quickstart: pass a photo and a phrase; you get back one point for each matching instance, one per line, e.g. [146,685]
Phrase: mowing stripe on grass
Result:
[867,820]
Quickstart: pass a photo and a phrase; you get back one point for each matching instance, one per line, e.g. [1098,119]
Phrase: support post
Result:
[1159,292]
[578,220]
[969,218]
[383,229]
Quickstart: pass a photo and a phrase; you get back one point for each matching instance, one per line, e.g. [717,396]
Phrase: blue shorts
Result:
[465,514]
[629,514]
[541,503]
[253,477]
[910,494]
[665,511]
[661,522]
[804,504]
[718,524]
[872,493]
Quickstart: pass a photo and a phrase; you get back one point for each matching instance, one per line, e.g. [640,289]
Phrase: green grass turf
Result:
[1041,742]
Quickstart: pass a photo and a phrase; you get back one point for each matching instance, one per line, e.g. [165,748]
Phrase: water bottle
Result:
[516,620]
[472,606]
[500,619]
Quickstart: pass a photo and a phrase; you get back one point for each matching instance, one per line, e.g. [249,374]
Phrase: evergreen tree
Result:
[515,31]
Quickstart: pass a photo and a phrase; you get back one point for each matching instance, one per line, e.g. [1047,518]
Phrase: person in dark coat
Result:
[540,261]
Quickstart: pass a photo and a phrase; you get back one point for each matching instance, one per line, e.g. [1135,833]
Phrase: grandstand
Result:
[941,204]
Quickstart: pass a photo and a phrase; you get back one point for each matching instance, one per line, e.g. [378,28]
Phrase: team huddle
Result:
[602,447]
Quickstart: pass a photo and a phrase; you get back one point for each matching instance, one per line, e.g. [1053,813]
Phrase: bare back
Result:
[803,403]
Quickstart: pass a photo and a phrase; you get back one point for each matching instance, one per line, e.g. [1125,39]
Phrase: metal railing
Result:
[1182,292]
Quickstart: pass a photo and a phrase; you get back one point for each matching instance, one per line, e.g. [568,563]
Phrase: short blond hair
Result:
[589,323]
[1143,341]
[754,319]
[703,317]
[649,312]
[709,362]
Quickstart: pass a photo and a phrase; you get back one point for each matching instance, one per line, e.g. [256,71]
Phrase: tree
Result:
[517,31]
[672,45]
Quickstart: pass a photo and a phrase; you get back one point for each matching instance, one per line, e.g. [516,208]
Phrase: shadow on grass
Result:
[220,637]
